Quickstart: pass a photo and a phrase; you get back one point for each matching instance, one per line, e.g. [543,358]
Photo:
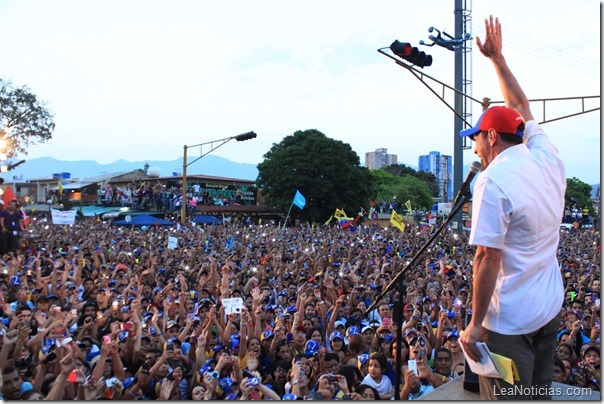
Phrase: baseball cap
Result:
[338,324]
[502,119]
[366,328]
[224,385]
[410,331]
[362,360]
[453,334]
[266,335]
[171,324]
[409,306]
[352,330]
[388,337]
[311,348]
[336,334]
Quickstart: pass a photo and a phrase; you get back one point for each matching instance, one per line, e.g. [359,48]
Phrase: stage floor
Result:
[453,391]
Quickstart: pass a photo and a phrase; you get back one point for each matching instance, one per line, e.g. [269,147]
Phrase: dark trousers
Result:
[9,242]
[533,355]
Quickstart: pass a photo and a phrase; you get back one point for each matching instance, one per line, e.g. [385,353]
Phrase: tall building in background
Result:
[441,166]
[379,158]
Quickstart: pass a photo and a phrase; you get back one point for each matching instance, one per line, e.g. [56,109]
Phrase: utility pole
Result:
[459,106]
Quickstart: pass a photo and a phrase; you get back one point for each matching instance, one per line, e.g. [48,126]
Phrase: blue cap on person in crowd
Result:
[217,348]
[362,360]
[352,330]
[155,290]
[283,293]
[453,334]
[388,337]
[266,335]
[291,309]
[289,397]
[26,386]
[224,385]
[127,382]
[152,330]
[122,336]
[45,350]
[209,361]
[336,334]
[311,348]
[15,281]
[185,348]
[125,308]
[94,351]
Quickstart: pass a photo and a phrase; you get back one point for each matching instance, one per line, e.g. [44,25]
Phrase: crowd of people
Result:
[146,195]
[253,311]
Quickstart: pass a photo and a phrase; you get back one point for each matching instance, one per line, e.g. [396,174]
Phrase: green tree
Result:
[327,173]
[29,120]
[579,193]
[402,170]
[387,186]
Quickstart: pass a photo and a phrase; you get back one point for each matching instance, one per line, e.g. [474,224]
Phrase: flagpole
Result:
[287,216]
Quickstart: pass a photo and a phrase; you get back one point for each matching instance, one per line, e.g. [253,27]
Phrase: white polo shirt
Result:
[517,207]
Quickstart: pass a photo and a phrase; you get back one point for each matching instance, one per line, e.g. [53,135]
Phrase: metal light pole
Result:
[239,138]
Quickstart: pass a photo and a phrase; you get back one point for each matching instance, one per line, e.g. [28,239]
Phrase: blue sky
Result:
[138,80]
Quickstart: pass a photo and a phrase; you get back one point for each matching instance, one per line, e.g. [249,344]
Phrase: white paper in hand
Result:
[486,366]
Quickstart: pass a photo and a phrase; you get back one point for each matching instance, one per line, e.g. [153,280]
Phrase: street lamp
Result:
[239,138]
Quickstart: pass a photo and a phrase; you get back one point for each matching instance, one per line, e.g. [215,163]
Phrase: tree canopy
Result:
[327,173]
[408,187]
[578,193]
[29,120]
[401,170]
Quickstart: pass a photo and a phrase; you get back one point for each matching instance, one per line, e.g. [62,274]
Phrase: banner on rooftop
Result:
[63,216]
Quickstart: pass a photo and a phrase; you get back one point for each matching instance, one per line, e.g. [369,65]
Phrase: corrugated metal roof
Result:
[205,178]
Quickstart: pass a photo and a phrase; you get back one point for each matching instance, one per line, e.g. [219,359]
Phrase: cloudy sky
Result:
[138,80]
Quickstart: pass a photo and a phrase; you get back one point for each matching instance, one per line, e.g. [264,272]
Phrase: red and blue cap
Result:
[502,119]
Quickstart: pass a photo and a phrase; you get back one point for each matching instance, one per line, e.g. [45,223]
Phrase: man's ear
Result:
[492,137]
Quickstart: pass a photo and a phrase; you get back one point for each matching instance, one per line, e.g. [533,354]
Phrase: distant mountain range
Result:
[45,167]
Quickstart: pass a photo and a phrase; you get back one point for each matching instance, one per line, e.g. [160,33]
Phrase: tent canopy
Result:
[205,219]
[143,220]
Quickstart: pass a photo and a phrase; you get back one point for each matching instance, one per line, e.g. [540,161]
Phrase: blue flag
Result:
[299,200]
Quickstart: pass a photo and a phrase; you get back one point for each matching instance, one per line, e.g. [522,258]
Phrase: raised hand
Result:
[492,43]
